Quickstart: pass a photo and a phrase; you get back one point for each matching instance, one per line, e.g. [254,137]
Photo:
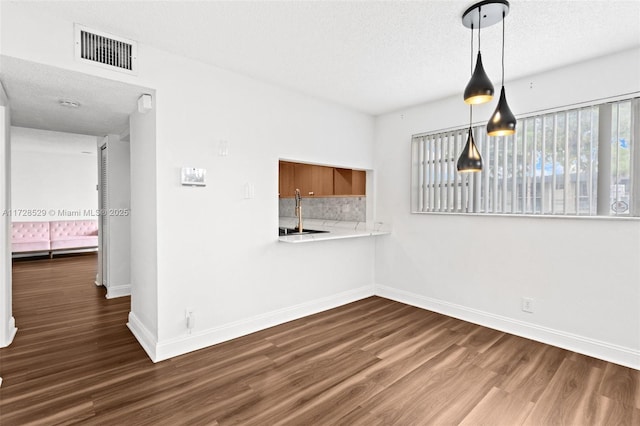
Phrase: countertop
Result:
[337,230]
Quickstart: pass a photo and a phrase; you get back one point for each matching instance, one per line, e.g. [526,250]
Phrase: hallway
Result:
[71,341]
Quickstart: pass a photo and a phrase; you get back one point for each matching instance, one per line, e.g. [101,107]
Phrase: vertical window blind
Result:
[582,161]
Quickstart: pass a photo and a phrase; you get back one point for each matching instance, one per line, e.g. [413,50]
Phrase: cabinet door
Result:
[303,178]
[322,181]
[359,182]
[286,185]
[342,181]
[313,181]
[349,182]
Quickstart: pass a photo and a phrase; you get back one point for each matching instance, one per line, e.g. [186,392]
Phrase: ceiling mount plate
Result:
[490,13]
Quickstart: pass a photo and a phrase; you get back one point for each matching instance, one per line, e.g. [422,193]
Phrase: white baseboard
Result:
[627,357]
[143,335]
[202,338]
[199,339]
[10,333]
[118,291]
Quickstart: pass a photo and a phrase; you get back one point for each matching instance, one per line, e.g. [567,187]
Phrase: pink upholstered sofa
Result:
[53,236]
[30,236]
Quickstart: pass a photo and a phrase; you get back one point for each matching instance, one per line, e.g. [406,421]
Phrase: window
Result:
[572,162]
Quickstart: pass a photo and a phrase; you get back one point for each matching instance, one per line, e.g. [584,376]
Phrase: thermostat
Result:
[192,176]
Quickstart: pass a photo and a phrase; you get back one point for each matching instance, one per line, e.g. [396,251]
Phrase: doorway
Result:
[73,103]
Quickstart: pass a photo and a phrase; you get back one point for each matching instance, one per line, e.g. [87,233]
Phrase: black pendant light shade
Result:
[502,122]
[479,89]
[470,160]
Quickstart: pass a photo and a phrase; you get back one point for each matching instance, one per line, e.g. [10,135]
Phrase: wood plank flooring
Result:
[372,362]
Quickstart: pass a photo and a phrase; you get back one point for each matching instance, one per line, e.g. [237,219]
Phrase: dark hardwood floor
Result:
[373,362]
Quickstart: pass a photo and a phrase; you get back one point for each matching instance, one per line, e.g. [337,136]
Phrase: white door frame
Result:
[7,321]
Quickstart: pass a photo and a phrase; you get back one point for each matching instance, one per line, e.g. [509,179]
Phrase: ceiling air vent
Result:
[105,50]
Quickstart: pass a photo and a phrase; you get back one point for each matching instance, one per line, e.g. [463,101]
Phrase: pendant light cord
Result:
[503,16]
[471,61]
[479,26]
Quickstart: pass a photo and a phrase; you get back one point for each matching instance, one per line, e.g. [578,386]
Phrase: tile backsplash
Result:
[351,209]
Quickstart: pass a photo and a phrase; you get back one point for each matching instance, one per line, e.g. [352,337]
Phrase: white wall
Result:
[584,274]
[143,318]
[217,253]
[52,175]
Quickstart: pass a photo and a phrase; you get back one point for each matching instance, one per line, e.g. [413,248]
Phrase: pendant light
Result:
[479,89]
[502,122]
[470,159]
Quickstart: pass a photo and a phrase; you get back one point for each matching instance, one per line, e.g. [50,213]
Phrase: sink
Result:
[294,231]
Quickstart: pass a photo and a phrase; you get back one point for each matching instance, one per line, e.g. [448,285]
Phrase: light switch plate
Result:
[223,148]
[249,191]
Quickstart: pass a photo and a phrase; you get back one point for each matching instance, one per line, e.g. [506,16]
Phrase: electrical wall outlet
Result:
[527,304]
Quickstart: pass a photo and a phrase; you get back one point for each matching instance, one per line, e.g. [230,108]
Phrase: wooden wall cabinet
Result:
[359,182]
[312,180]
[286,182]
[319,181]
[349,182]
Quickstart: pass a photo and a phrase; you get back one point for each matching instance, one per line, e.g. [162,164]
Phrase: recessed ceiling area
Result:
[374,56]
[36,93]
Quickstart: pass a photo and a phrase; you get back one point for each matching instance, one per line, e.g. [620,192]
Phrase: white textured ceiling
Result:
[374,56]
[35,92]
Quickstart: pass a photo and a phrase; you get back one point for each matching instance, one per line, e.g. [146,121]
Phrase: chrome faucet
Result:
[299,210]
